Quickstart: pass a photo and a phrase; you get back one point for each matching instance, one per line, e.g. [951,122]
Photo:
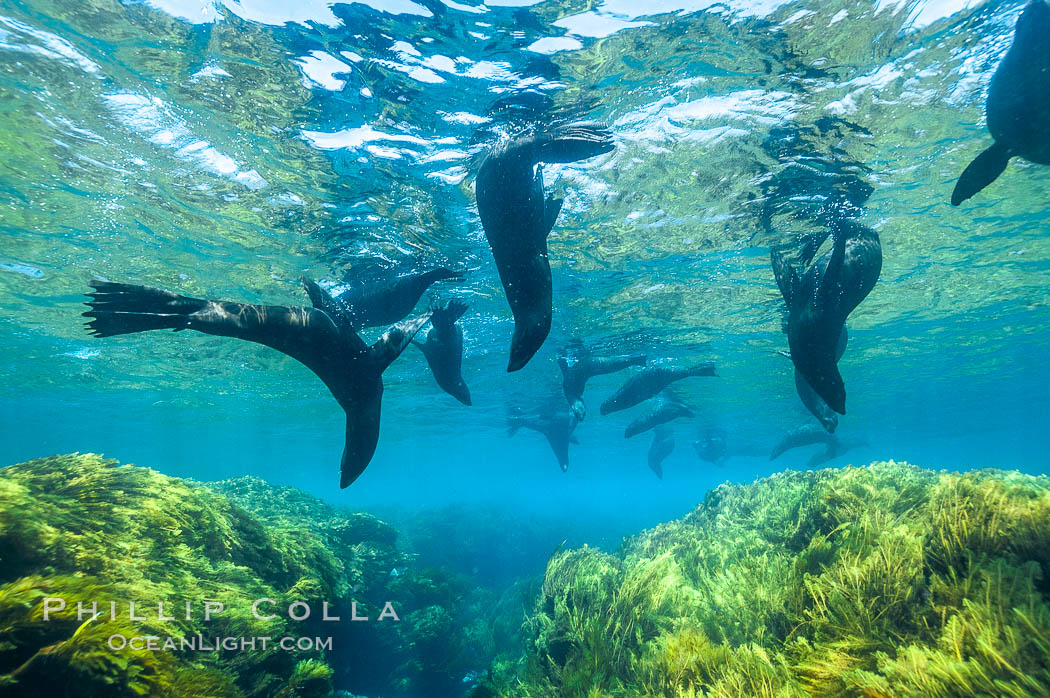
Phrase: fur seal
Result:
[325,343]
[666,411]
[661,447]
[383,300]
[557,425]
[803,436]
[712,448]
[517,219]
[578,364]
[820,300]
[1018,106]
[650,381]
[813,402]
[443,350]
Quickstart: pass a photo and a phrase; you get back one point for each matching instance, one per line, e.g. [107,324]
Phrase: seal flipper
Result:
[576,141]
[984,170]
[785,274]
[362,437]
[394,341]
[560,447]
[324,301]
[551,209]
[127,308]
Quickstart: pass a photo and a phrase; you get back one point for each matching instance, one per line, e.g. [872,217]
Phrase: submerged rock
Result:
[887,580]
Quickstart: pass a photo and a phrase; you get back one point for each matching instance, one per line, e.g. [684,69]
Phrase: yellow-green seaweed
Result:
[878,581]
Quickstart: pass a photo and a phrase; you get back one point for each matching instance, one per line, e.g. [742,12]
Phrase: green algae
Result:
[83,528]
[886,580]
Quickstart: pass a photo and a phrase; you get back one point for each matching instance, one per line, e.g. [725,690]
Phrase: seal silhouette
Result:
[1018,105]
[518,217]
[374,301]
[325,343]
[650,381]
[443,350]
[820,300]
[557,425]
[659,449]
[667,410]
[578,364]
[813,402]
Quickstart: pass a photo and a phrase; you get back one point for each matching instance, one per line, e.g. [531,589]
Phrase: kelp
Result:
[886,580]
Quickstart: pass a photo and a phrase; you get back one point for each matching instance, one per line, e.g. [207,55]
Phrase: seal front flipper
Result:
[551,209]
[572,142]
[362,437]
[394,341]
[126,308]
[984,170]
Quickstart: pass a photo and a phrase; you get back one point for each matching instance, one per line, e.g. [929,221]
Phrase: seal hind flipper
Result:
[127,308]
[576,141]
[984,170]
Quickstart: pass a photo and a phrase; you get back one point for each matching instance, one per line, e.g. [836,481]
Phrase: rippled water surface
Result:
[222,149]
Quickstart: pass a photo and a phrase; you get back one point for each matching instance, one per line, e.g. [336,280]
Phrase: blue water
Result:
[223,149]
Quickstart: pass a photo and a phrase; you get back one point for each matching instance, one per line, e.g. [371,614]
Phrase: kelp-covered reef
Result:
[887,580]
[82,528]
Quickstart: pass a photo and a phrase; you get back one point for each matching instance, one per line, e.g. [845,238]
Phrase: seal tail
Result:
[984,170]
[126,308]
[576,141]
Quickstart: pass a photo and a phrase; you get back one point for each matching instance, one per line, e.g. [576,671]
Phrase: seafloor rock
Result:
[886,580]
[86,529]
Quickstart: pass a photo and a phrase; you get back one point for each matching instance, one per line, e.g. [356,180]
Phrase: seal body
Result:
[667,410]
[443,350]
[557,425]
[326,344]
[384,301]
[650,381]
[578,365]
[1018,106]
[660,449]
[803,436]
[822,298]
[517,217]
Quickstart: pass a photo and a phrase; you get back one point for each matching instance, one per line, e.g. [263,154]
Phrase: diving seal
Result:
[443,350]
[578,364]
[325,343]
[650,381]
[517,219]
[822,298]
[666,411]
[556,424]
[1018,106]
[659,449]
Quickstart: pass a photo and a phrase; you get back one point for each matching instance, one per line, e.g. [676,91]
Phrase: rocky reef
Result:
[84,529]
[887,580]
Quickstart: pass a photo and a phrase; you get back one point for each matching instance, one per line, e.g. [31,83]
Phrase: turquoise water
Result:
[223,149]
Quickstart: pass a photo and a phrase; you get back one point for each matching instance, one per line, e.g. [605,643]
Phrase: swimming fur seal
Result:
[712,448]
[325,343]
[650,381]
[813,402]
[517,219]
[578,364]
[443,350]
[1018,106]
[557,425]
[803,436]
[666,411]
[661,447]
[820,300]
[384,300]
